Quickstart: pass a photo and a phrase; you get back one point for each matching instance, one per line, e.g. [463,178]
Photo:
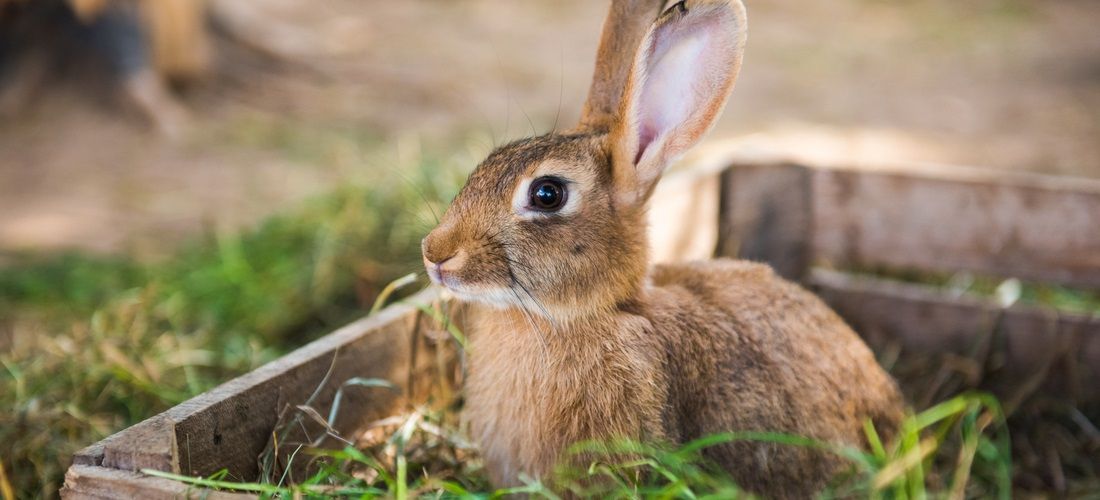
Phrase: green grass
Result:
[956,449]
[90,345]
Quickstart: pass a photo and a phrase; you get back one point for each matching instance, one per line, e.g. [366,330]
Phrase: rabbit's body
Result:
[713,347]
[575,338]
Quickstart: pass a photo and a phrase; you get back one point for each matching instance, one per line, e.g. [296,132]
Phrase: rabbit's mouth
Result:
[494,297]
[446,278]
[451,273]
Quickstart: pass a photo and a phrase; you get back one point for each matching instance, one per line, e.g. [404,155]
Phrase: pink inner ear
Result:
[645,137]
[677,74]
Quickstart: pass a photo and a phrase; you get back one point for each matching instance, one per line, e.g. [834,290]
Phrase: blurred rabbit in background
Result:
[143,44]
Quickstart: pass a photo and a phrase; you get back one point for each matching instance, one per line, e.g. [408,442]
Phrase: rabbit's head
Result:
[556,224]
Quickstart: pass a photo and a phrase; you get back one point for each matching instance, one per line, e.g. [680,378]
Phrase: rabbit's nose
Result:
[436,250]
[442,255]
[444,268]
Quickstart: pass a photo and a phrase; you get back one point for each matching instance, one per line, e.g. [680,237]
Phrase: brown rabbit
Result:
[575,338]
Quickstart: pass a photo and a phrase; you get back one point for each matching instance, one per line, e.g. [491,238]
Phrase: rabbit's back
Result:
[749,351]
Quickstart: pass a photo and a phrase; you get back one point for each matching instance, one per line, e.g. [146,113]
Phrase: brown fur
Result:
[574,338]
[625,26]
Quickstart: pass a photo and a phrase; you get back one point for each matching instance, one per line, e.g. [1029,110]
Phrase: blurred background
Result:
[189,188]
[1011,84]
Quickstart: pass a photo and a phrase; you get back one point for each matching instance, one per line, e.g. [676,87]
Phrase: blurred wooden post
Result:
[766,212]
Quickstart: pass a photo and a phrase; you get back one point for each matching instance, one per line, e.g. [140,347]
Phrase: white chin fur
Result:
[499,298]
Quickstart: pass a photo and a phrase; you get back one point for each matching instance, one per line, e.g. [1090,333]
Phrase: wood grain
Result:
[1013,345]
[229,426]
[83,482]
[946,220]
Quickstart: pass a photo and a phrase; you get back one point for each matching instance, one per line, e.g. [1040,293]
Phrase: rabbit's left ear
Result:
[682,75]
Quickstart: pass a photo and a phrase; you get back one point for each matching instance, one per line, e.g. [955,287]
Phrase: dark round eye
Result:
[547,194]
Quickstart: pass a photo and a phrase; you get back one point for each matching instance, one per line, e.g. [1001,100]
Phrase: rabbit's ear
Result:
[626,24]
[682,75]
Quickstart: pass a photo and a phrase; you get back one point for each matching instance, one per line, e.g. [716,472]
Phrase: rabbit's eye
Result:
[547,194]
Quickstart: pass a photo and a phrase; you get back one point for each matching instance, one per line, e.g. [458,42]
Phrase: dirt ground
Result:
[1010,84]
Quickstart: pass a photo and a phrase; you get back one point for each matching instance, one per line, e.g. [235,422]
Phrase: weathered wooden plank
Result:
[953,219]
[766,216]
[1015,344]
[151,444]
[90,455]
[84,482]
[229,426]
[933,219]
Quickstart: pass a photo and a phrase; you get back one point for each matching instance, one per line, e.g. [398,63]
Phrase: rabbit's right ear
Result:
[682,75]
